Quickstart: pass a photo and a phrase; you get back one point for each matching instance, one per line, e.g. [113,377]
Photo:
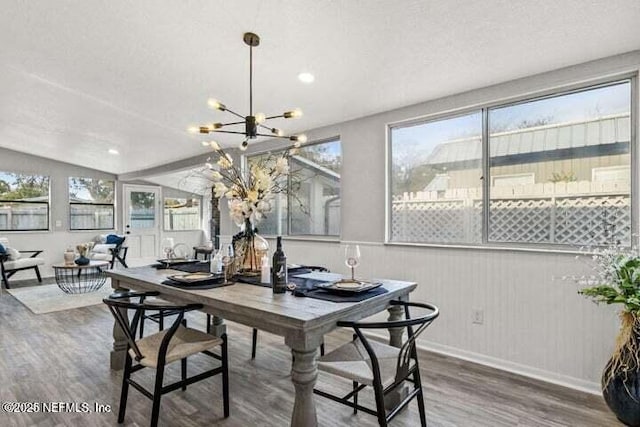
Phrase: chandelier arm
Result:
[273,135]
[228,131]
[274,117]
[235,114]
[233,123]
[265,127]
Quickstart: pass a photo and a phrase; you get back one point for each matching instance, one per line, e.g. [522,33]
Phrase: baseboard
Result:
[505,365]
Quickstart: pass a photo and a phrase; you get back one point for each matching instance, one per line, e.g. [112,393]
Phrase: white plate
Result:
[348,285]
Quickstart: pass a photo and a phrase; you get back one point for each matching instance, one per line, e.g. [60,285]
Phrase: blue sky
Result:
[411,145]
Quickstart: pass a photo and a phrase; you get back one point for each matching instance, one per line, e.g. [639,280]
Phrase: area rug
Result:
[49,298]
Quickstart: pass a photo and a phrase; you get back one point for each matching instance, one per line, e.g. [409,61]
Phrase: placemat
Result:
[304,287]
[202,284]
[324,295]
[195,267]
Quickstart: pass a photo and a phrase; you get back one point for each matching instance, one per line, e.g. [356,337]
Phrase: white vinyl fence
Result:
[182,218]
[575,213]
[24,217]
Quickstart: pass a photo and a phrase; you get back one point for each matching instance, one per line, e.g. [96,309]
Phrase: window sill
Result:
[308,238]
[496,247]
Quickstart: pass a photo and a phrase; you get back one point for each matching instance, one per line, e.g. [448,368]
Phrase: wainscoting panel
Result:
[534,322]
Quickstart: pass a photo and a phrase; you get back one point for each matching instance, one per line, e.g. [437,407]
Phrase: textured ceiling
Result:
[78,78]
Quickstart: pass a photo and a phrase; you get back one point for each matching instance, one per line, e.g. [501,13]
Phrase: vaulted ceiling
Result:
[78,78]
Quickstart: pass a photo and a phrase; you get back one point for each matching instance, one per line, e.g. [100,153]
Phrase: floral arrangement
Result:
[249,195]
[616,280]
[82,249]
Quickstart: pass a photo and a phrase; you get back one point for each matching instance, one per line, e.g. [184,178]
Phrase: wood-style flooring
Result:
[64,357]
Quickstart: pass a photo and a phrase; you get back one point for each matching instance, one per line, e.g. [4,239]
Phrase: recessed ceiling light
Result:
[306,77]
[113,151]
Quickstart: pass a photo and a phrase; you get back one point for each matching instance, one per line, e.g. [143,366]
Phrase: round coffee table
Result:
[80,279]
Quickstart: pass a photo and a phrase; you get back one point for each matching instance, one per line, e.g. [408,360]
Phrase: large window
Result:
[24,202]
[91,203]
[430,163]
[312,205]
[558,172]
[181,214]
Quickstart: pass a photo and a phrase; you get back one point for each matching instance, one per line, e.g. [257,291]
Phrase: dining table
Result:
[302,321]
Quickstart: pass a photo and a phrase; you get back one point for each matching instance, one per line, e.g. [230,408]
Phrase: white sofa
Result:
[12,261]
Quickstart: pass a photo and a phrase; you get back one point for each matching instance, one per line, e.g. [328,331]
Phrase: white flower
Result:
[262,178]
[252,196]
[219,189]
[282,166]
[236,210]
[263,206]
[216,176]
[225,162]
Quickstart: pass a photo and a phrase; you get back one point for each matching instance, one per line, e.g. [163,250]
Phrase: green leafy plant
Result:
[620,281]
[617,281]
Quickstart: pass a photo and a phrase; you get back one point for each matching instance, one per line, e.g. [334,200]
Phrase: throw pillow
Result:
[2,249]
[100,239]
[114,239]
[14,254]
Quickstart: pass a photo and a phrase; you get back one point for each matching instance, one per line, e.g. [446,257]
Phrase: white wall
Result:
[533,323]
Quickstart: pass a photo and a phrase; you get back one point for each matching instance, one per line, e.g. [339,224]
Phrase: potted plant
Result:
[618,282]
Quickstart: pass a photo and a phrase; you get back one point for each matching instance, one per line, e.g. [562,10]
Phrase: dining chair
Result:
[384,367]
[163,348]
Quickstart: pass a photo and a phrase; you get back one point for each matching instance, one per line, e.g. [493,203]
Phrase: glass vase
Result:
[249,247]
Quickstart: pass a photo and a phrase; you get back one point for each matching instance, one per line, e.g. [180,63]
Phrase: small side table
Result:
[204,250]
[80,279]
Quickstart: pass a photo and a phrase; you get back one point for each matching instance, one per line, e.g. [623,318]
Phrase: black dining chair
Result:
[384,367]
[162,348]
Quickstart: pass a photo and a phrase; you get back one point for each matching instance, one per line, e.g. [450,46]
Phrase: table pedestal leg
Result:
[303,375]
[119,339]
[396,312]
[217,327]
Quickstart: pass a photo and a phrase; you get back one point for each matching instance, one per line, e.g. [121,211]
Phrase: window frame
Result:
[47,204]
[113,205]
[287,233]
[484,108]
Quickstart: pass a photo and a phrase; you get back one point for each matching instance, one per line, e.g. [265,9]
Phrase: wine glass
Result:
[352,258]
[167,247]
[227,260]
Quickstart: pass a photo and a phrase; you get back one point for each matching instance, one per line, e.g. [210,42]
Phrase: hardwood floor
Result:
[64,357]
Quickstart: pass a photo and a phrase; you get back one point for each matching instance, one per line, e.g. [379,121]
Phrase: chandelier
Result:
[253,123]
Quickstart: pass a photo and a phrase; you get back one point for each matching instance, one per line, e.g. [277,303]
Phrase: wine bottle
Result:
[279,272]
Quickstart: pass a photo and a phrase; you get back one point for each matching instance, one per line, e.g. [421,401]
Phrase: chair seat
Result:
[102,248]
[23,263]
[185,342]
[352,361]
